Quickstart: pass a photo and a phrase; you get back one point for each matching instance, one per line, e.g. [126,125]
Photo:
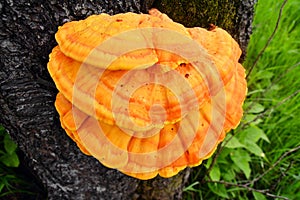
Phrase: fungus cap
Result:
[151,110]
[96,142]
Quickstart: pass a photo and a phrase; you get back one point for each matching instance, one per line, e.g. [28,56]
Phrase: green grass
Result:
[262,159]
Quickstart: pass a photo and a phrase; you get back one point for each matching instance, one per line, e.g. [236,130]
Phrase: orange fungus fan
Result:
[145,95]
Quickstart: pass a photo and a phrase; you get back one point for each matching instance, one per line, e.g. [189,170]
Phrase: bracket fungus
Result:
[144,94]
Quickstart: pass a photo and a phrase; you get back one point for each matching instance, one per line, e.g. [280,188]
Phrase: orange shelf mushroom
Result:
[144,94]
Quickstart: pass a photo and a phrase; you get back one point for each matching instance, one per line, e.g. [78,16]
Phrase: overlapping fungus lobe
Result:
[135,94]
[90,89]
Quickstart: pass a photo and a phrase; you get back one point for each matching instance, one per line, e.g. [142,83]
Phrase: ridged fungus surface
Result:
[144,94]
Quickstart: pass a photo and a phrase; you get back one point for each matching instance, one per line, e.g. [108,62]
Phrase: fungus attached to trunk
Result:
[144,94]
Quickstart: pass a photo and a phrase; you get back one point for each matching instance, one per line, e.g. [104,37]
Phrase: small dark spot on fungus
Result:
[186,75]
[182,64]
[119,20]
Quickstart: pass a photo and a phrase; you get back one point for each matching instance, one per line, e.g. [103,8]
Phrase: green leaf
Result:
[229,174]
[208,162]
[250,136]
[215,173]
[275,87]
[258,196]
[222,158]
[191,187]
[10,160]
[251,118]
[263,74]
[253,107]
[1,186]
[234,143]
[255,149]
[252,133]
[241,159]
[218,189]
[9,146]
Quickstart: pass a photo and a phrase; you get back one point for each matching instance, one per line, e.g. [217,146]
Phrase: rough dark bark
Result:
[27,95]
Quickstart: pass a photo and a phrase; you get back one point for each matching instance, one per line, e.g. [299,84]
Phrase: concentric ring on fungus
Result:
[135,142]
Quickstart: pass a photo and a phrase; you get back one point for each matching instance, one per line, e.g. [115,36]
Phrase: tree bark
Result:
[27,95]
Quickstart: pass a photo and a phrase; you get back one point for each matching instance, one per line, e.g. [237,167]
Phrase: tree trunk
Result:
[27,95]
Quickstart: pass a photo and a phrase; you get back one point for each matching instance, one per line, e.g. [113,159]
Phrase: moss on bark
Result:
[201,12]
